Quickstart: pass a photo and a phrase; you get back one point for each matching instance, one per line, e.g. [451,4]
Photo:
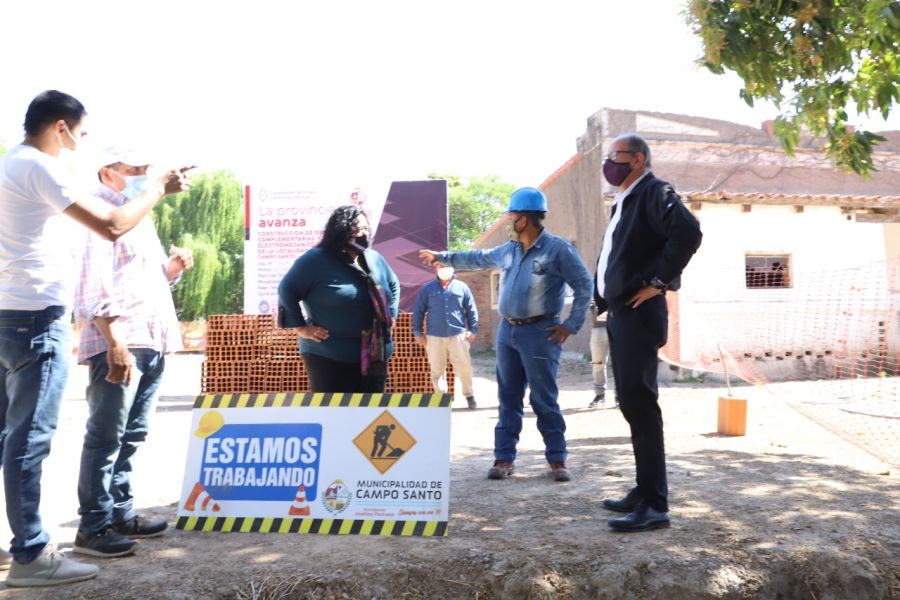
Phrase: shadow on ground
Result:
[744,526]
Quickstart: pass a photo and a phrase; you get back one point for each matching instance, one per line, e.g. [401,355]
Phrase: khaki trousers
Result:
[599,354]
[455,348]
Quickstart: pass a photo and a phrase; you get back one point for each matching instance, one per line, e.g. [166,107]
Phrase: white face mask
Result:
[74,139]
[75,161]
[511,231]
[445,273]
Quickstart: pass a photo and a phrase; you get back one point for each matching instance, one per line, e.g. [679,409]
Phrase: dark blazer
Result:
[656,237]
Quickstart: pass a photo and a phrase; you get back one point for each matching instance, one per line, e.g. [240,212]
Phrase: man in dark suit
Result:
[650,239]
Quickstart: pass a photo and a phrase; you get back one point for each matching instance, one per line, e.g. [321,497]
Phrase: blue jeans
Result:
[117,424]
[526,358]
[34,365]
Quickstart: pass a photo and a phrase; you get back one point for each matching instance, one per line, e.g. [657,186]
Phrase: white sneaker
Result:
[5,560]
[50,568]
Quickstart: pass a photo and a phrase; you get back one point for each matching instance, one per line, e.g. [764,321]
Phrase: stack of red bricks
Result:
[233,358]
[250,354]
[408,369]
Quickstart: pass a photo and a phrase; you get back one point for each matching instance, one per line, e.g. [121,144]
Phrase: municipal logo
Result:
[336,496]
[384,441]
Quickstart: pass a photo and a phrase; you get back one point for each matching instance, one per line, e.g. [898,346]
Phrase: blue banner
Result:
[262,461]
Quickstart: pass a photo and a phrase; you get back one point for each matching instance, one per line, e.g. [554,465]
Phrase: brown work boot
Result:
[559,471]
[501,470]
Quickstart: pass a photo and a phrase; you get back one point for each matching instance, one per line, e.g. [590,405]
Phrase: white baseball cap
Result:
[122,154]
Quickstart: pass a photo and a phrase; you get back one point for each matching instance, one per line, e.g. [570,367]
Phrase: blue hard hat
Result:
[527,198]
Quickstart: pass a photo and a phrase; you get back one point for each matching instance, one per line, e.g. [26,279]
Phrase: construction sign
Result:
[384,441]
[374,464]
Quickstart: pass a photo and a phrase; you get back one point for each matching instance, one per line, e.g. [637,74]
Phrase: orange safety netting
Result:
[827,342]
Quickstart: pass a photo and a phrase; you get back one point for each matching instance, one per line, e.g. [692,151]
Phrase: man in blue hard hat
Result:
[535,267]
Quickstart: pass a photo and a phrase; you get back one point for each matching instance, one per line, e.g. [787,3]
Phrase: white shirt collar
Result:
[623,193]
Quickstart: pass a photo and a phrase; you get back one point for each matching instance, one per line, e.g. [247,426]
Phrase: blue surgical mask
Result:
[134,185]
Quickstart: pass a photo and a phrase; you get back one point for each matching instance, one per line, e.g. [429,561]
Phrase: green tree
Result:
[474,206]
[209,220]
[813,59]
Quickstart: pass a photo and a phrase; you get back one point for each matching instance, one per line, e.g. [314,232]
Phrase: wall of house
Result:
[836,271]
[577,213]
[892,241]
[480,286]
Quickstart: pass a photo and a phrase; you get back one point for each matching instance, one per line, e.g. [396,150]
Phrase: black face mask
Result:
[360,242]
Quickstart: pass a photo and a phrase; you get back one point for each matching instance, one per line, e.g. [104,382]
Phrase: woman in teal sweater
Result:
[350,297]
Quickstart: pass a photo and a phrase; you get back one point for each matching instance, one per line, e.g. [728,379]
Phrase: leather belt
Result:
[527,320]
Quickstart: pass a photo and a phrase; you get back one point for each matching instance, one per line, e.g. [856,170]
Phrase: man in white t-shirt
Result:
[38,205]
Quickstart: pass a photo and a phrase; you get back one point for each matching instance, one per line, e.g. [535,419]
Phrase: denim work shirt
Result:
[533,283]
[450,311]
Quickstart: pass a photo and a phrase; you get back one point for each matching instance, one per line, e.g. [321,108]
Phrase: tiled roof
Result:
[791,199]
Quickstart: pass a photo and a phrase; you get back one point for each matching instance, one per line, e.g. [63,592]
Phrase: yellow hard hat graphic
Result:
[210,423]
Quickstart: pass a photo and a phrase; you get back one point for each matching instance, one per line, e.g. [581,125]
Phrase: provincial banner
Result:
[283,222]
[367,464]
[415,217]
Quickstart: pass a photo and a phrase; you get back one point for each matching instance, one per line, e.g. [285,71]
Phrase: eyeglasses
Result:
[615,154]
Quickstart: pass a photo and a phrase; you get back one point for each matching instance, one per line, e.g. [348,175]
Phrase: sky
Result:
[336,91]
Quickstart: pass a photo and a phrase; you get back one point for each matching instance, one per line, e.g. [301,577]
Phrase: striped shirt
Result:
[126,279]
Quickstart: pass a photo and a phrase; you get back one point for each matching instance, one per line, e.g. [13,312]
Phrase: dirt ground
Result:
[787,511]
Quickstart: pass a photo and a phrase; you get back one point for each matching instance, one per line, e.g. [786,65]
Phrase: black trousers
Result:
[635,336]
[327,375]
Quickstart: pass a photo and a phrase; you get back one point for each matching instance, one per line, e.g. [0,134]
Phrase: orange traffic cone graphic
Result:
[200,500]
[299,507]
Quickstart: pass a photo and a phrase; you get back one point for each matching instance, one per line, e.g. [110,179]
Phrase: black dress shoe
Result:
[644,518]
[623,505]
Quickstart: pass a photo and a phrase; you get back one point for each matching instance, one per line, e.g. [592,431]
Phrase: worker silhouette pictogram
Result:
[380,443]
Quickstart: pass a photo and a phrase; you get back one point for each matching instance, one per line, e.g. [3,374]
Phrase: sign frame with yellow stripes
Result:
[335,464]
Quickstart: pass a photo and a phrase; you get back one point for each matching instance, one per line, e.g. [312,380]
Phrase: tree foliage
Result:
[814,59]
[474,206]
[209,220]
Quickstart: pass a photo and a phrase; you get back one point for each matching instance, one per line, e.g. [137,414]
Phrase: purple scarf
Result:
[373,356]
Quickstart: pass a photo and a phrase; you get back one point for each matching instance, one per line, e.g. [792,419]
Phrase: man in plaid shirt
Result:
[124,308]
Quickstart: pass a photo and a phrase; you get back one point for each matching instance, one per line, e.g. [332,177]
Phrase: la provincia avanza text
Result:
[289,216]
